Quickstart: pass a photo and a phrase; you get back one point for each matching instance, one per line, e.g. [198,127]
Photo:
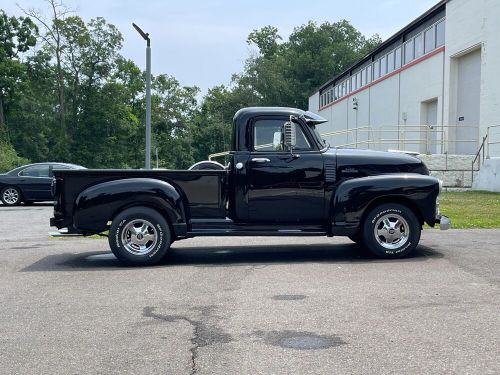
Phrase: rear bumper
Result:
[444,222]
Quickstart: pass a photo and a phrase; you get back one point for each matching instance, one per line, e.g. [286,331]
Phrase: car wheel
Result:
[391,231]
[11,196]
[139,236]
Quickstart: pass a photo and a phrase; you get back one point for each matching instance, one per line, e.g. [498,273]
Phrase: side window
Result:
[36,171]
[268,136]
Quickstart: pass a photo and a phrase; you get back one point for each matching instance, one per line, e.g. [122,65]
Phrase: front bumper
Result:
[444,222]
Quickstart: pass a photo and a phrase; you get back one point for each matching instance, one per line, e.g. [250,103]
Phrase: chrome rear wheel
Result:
[139,237]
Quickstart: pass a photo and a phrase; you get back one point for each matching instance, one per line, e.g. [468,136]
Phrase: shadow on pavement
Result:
[24,206]
[229,256]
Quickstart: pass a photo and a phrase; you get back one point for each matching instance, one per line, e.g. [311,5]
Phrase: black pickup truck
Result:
[282,179]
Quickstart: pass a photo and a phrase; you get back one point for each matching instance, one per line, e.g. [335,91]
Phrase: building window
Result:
[376,69]
[383,66]
[390,62]
[440,31]
[397,57]
[369,74]
[430,40]
[419,45]
[408,51]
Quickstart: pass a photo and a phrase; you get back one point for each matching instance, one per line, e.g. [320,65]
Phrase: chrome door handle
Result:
[261,160]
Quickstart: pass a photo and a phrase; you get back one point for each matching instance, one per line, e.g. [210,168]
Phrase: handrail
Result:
[478,153]
[490,142]
[435,136]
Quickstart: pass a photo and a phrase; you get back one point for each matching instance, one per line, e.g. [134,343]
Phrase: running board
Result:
[226,227]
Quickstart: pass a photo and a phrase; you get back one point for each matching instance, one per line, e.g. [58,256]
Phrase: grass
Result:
[471,209]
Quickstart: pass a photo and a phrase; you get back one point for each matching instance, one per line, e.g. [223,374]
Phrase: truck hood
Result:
[361,163]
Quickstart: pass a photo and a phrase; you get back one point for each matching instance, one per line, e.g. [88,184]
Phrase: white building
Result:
[433,87]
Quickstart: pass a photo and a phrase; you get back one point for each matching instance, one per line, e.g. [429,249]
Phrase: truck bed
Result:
[204,191]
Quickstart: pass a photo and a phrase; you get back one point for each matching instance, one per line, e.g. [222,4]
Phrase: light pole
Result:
[148,94]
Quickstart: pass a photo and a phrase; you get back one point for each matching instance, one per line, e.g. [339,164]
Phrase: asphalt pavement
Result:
[240,305]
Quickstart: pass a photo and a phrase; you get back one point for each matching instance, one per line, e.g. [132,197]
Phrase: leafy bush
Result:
[9,158]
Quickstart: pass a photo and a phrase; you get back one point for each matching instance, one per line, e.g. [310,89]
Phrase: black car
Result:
[29,183]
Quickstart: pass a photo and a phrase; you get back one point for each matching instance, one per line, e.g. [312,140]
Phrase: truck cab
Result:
[282,179]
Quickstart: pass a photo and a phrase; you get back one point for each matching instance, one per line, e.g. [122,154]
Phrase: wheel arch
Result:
[355,198]
[161,210]
[398,199]
[96,206]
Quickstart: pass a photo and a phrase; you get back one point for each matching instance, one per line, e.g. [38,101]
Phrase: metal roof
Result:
[412,25]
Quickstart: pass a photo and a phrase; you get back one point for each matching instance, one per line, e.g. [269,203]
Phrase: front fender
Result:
[95,206]
[354,196]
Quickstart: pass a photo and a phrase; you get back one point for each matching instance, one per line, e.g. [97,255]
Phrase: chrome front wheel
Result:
[391,231]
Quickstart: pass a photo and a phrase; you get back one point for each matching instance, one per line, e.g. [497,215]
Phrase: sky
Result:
[203,43]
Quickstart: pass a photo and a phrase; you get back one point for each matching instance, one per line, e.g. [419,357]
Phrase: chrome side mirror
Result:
[290,135]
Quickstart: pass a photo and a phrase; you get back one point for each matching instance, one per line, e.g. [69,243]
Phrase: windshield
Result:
[316,134]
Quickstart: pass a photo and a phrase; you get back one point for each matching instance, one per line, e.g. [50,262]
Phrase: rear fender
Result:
[98,204]
[354,197]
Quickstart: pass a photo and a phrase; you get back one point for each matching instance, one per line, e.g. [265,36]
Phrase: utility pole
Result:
[148,94]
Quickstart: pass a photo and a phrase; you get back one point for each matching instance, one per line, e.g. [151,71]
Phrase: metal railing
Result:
[478,158]
[436,139]
[419,138]
[493,138]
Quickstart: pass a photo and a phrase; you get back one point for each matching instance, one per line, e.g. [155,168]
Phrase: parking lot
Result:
[247,305]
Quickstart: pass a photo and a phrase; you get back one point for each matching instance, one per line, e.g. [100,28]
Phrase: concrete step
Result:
[454,170]
[445,162]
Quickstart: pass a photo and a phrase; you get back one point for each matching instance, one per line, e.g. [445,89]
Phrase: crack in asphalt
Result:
[203,334]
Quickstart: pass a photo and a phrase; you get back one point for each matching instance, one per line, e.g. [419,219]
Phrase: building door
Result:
[468,92]
[431,131]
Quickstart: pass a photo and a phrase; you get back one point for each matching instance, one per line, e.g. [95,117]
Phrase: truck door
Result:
[283,188]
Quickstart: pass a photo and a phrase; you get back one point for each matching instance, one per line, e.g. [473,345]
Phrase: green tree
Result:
[286,74]
[17,35]
[54,42]
[282,73]
[9,158]
[173,107]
